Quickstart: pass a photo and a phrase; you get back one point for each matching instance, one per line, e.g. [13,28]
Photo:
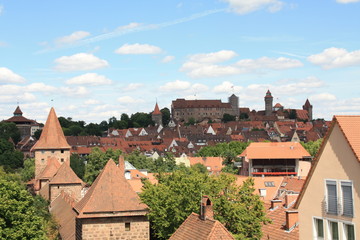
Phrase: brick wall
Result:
[74,190]
[113,228]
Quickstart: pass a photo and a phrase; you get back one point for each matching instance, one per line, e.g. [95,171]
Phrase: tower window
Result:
[62,160]
[127,226]
[62,151]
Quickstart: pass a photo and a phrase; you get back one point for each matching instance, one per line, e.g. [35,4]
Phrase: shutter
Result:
[346,188]
[331,197]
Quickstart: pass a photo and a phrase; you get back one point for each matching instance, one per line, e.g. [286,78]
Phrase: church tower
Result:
[268,103]
[156,116]
[308,107]
[51,145]
[234,102]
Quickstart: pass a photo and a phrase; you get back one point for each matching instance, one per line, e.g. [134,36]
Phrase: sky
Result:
[92,60]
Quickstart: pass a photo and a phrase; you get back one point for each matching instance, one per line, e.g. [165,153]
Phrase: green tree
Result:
[141,119]
[292,114]
[28,172]
[10,158]
[37,133]
[165,164]
[165,116]
[140,161]
[19,218]
[178,194]
[9,130]
[96,162]
[77,164]
[191,121]
[228,118]
[312,146]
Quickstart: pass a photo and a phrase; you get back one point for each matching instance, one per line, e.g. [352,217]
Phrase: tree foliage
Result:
[10,158]
[97,160]
[21,216]
[228,118]
[312,146]
[161,164]
[9,130]
[77,164]
[28,172]
[178,194]
[166,115]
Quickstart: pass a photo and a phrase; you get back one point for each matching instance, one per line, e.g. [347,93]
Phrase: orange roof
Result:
[195,228]
[18,111]
[215,163]
[259,183]
[302,114]
[52,136]
[52,166]
[110,194]
[65,175]
[156,110]
[275,150]
[349,125]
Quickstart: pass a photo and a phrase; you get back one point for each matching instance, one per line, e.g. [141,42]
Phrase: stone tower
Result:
[234,102]
[156,116]
[268,103]
[52,144]
[308,107]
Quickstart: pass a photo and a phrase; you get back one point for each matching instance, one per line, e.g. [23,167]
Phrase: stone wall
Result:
[74,190]
[41,157]
[113,228]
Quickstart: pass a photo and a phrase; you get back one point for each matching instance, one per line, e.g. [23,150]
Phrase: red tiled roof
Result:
[214,163]
[52,136]
[156,110]
[349,125]
[65,175]
[18,111]
[52,166]
[195,228]
[110,193]
[275,150]
[302,114]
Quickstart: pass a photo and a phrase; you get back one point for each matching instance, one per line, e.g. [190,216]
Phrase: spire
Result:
[18,112]
[268,93]
[307,104]
[156,110]
[52,136]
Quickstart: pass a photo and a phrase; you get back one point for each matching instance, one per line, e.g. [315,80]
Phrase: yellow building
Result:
[329,202]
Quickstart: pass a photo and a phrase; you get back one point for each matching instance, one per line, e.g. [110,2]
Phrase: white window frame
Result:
[341,197]
[315,229]
[344,233]
[329,229]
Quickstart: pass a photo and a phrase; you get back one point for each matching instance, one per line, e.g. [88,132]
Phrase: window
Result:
[269,184]
[331,197]
[62,160]
[319,228]
[334,230]
[127,226]
[52,151]
[62,151]
[347,199]
[349,231]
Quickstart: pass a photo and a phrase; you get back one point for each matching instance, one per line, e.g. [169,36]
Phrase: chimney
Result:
[276,203]
[206,208]
[291,220]
[121,165]
[290,199]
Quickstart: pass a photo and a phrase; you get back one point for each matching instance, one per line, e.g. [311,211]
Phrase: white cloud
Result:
[213,57]
[335,58]
[79,62]
[74,92]
[175,86]
[92,79]
[268,63]
[323,97]
[203,65]
[247,6]
[347,1]
[129,100]
[8,76]
[91,102]
[131,25]
[40,87]
[138,49]
[167,59]
[227,87]
[72,38]
[133,86]
[24,97]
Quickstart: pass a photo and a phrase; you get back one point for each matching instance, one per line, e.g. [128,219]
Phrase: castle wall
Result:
[113,228]
[74,190]
[41,157]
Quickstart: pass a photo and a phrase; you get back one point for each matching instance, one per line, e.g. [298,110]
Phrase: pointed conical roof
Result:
[110,193]
[18,112]
[268,93]
[156,110]
[65,175]
[52,136]
[307,103]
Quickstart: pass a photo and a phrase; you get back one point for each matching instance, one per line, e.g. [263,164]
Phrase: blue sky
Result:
[92,60]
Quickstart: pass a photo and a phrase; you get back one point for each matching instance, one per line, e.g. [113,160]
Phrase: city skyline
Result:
[92,61]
